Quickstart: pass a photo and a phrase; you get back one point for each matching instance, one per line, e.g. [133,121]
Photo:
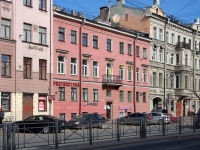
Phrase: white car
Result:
[157,118]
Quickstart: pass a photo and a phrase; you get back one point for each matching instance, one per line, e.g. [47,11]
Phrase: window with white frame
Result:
[95,95]
[108,45]
[167,37]
[85,68]
[172,39]
[154,32]
[129,73]
[154,55]
[73,66]
[121,114]
[42,4]
[26,3]
[144,53]
[42,35]
[160,56]
[138,74]
[144,75]
[121,72]
[129,49]
[160,79]
[95,69]
[186,82]
[121,96]
[61,64]
[85,94]
[129,96]
[161,34]
[61,93]
[73,93]
[172,59]
[27,32]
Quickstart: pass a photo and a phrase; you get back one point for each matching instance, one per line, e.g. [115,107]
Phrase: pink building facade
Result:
[95,68]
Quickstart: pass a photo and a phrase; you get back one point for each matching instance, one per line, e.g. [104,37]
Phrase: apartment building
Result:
[174,57]
[94,67]
[28,22]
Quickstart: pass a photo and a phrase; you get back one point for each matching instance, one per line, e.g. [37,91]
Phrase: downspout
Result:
[80,60]
[15,66]
[50,102]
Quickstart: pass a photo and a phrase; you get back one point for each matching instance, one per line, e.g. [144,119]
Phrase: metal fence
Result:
[15,136]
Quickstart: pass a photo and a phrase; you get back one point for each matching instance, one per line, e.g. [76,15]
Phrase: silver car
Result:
[157,118]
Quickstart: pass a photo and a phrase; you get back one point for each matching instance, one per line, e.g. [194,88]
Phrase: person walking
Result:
[1,116]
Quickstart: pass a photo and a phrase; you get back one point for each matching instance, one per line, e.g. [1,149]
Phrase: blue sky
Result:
[186,10]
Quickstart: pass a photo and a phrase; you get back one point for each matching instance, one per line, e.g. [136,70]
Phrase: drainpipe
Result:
[80,60]
[134,77]
[50,102]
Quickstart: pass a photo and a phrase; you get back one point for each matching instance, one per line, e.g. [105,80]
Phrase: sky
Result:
[186,10]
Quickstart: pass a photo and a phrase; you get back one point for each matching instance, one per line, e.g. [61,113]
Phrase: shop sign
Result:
[70,84]
[41,105]
[125,107]
[159,105]
[52,97]
[94,104]
[42,98]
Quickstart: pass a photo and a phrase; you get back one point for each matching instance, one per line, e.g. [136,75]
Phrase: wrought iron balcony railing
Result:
[183,45]
[111,79]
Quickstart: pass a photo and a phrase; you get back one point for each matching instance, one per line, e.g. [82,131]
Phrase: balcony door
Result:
[109,72]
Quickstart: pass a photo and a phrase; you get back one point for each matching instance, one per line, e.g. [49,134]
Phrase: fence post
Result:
[13,136]
[9,136]
[163,125]
[90,132]
[4,136]
[194,123]
[144,127]
[118,133]
[141,131]
[180,124]
[56,136]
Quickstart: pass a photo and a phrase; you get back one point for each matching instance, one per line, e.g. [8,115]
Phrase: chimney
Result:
[103,12]
[196,21]
[156,2]
[120,2]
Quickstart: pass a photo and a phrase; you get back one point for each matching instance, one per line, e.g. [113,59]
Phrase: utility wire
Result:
[191,2]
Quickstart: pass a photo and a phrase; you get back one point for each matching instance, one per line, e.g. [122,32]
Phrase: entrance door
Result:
[27,105]
[184,108]
[109,110]
[178,109]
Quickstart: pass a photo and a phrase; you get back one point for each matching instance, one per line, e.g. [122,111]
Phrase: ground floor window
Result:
[172,105]
[5,101]
[63,116]
[121,114]
[42,103]
[73,115]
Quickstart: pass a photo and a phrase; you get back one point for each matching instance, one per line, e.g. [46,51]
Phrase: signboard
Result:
[52,97]
[41,105]
[125,107]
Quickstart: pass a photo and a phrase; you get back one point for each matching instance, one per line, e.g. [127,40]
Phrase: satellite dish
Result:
[116,18]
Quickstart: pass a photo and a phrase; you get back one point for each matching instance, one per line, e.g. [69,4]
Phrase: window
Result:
[137,51]
[108,93]
[189,43]
[84,39]
[63,116]
[109,44]
[121,114]
[160,34]
[5,101]
[95,95]
[166,57]
[95,69]
[42,4]
[126,17]
[160,56]
[154,55]
[27,3]
[129,73]
[144,75]
[154,32]
[167,77]
[154,78]
[5,65]
[172,59]
[5,28]
[42,69]
[186,80]
[160,79]
[129,96]
[73,115]
[95,41]
[27,32]
[144,97]
[172,81]
[73,36]
[85,94]
[167,37]
[73,66]
[121,72]
[42,103]
[121,96]
[172,42]
[177,81]
[61,64]
[129,49]
[73,93]
[61,93]
[61,34]
[42,35]
[27,67]
[121,47]
[85,68]
[137,97]
[137,74]
[144,53]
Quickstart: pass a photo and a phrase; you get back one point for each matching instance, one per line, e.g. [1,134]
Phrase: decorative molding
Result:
[62,51]
[35,28]
[35,48]
[109,59]
[130,63]
[6,8]
[86,55]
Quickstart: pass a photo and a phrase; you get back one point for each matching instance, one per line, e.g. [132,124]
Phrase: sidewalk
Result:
[114,142]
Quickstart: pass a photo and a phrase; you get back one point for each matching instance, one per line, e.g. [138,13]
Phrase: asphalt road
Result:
[181,143]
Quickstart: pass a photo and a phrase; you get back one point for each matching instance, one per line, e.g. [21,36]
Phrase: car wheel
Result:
[46,129]
[122,122]
[100,125]
[82,127]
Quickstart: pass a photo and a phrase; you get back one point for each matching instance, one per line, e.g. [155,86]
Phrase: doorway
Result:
[109,110]
[27,105]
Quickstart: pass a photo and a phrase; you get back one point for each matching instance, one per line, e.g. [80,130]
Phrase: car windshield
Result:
[82,116]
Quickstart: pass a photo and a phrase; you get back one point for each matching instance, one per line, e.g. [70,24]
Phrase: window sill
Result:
[121,52]
[61,40]
[129,81]
[109,50]
[74,100]
[74,43]
[74,75]
[61,100]
[95,101]
[42,110]
[28,6]
[96,48]
[43,79]
[85,45]
[43,10]
[144,102]
[96,77]
[85,100]
[121,101]
[137,56]
[7,1]
[137,81]
[35,43]
[6,76]
[85,76]
[129,54]
[137,101]
[61,73]
[27,78]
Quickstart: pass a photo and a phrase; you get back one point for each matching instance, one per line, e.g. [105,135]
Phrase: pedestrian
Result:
[1,116]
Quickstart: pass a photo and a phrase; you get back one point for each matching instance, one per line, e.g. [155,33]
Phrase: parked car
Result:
[157,118]
[198,119]
[40,123]
[172,118]
[135,119]
[82,121]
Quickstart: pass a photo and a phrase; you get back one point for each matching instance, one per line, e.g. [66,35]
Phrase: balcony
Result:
[181,68]
[111,81]
[183,45]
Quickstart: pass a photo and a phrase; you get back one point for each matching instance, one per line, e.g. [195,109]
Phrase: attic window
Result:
[126,17]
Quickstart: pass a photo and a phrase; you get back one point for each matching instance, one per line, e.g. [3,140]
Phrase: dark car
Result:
[82,121]
[41,124]
[198,119]
[135,118]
